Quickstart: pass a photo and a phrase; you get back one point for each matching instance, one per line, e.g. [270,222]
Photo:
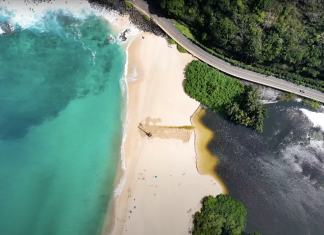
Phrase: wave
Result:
[36,16]
[125,119]
[298,156]
[316,118]
[305,154]
[40,16]
[44,16]
[114,19]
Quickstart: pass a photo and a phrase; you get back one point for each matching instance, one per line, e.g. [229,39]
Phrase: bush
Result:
[172,41]
[128,4]
[287,96]
[311,103]
[147,18]
[210,87]
[181,49]
[220,215]
[249,111]
[223,94]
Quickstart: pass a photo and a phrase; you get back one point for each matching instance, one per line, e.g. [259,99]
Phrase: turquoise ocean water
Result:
[60,123]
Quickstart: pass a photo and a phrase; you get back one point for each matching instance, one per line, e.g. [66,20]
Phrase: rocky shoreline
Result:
[136,17]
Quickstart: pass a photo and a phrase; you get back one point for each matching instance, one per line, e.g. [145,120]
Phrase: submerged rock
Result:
[109,40]
[96,38]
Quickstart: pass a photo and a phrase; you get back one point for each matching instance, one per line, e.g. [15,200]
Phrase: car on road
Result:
[302,91]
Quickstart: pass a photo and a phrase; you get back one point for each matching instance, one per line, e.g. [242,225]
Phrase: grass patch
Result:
[181,49]
[147,18]
[171,41]
[184,30]
[128,4]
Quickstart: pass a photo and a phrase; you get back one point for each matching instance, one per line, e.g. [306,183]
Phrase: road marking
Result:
[239,70]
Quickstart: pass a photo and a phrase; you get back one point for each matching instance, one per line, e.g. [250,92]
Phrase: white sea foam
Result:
[119,188]
[125,120]
[316,118]
[125,117]
[36,16]
[32,15]
[296,156]
[268,102]
[1,31]
[132,76]
[111,16]
[132,30]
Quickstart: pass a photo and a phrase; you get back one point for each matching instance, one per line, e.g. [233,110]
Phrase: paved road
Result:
[168,26]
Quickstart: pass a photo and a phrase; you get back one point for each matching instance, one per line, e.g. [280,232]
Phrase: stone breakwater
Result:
[136,17]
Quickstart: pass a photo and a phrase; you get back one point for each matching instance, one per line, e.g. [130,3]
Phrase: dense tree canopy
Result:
[223,94]
[283,37]
[220,215]
[210,87]
[249,111]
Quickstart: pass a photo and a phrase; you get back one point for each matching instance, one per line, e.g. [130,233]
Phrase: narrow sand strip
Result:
[163,188]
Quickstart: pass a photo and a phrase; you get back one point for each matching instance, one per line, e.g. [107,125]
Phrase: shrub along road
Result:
[168,26]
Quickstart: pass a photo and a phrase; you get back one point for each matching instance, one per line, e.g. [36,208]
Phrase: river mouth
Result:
[278,174]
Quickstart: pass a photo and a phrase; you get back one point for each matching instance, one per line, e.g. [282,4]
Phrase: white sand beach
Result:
[163,188]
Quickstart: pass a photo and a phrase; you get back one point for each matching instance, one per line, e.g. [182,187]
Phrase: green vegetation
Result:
[311,103]
[283,38]
[220,215]
[181,49]
[212,88]
[184,30]
[287,96]
[248,111]
[171,41]
[147,18]
[128,4]
[306,101]
[223,94]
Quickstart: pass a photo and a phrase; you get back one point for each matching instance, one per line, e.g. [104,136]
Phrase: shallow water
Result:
[279,174]
[61,122]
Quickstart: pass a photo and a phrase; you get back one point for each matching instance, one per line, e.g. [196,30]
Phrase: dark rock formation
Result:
[122,36]
[136,17]
[107,41]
